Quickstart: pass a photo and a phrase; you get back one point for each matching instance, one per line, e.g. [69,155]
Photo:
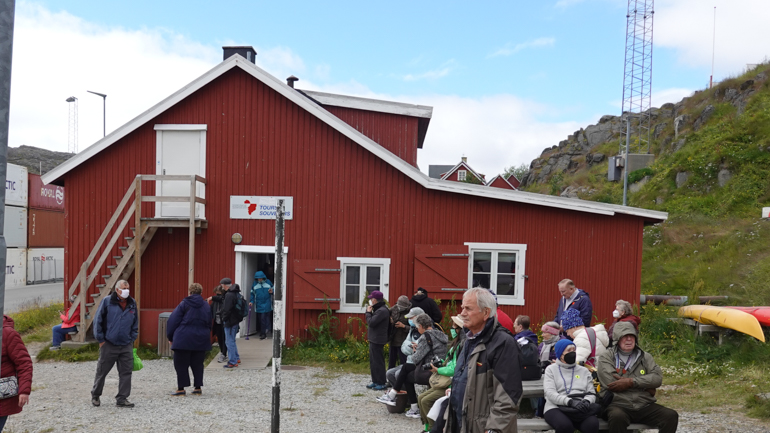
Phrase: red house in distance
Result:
[161,202]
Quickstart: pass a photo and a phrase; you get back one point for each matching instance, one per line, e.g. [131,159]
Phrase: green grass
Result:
[90,352]
[35,319]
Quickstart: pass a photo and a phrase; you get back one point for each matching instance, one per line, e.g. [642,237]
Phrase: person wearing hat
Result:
[591,342]
[407,347]
[569,393]
[399,329]
[377,317]
[632,376]
[261,300]
[428,305]
[231,320]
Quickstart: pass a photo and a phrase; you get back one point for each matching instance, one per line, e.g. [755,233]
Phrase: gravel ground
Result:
[313,400]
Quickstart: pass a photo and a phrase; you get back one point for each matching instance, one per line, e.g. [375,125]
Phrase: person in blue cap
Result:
[262,302]
[570,395]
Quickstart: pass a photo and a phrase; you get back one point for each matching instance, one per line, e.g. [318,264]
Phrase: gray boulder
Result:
[724,176]
[597,134]
[637,186]
[746,84]
[704,117]
[678,145]
[658,129]
[681,178]
[667,110]
[679,123]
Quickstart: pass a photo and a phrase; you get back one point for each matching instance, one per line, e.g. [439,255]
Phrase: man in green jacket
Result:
[632,376]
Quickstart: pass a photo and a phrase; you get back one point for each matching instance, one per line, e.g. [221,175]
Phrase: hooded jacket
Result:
[15,362]
[398,314]
[189,326]
[406,347]
[377,322]
[643,370]
[582,303]
[114,324]
[528,334]
[563,380]
[583,343]
[439,340]
[228,306]
[635,320]
[428,305]
[261,297]
[493,388]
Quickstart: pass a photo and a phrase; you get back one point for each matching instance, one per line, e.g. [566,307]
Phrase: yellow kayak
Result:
[726,318]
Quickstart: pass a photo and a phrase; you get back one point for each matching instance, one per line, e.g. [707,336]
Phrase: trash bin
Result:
[164,347]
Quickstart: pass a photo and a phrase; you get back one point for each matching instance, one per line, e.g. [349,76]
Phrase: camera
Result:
[436,362]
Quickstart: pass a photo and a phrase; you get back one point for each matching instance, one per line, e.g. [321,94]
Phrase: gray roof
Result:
[436,171]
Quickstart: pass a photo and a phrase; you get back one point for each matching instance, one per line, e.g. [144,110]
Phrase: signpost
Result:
[275,421]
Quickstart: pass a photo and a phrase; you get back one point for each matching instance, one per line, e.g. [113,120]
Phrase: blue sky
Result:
[506,79]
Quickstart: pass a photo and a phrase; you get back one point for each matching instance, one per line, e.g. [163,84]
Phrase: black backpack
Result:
[529,357]
[241,308]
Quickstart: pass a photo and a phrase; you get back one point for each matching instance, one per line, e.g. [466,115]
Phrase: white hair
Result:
[119,284]
[484,299]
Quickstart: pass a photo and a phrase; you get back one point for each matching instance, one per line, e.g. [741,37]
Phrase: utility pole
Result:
[104,111]
[275,415]
[7,13]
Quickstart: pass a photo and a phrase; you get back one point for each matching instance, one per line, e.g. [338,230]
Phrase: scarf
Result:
[545,351]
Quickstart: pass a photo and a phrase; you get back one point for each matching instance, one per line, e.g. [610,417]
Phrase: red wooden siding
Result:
[513,180]
[347,203]
[394,132]
[468,175]
[500,183]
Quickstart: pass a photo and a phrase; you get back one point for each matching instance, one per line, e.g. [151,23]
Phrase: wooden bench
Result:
[700,328]
[539,424]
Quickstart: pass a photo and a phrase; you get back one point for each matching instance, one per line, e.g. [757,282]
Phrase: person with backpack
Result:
[233,311]
[218,327]
[262,301]
[590,342]
[428,305]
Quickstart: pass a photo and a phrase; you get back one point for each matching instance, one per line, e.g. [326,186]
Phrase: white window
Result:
[359,278]
[461,175]
[499,267]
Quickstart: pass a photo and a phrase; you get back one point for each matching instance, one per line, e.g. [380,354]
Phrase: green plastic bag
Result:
[137,362]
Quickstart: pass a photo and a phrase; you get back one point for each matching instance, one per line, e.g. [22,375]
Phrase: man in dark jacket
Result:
[232,320]
[486,386]
[574,298]
[521,327]
[377,318]
[116,326]
[428,305]
[400,330]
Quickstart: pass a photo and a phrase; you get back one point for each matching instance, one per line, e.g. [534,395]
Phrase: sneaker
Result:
[413,413]
[95,401]
[380,387]
[179,392]
[371,385]
[228,365]
[54,348]
[124,403]
[262,337]
[238,362]
[386,399]
[221,357]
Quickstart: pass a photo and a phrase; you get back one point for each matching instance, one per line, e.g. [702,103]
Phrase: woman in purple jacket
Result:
[189,332]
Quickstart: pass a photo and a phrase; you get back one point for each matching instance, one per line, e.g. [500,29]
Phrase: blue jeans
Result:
[3,419]
[60,334]
[232,348]
[265,324]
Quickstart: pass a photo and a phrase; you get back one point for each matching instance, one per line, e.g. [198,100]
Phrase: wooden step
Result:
[112,266]
[96,295]
[107,277]
[129,238]
[99,286]
[117,257]
[123,248]
[89,304]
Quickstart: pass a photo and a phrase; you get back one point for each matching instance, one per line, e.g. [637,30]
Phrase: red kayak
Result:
[761,313]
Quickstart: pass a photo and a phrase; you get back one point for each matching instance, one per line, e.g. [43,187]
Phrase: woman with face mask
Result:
[570,395]
[623,313]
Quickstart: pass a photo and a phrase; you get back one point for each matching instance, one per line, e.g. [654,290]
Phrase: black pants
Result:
[377,363]
[665,419]
[405,381]
[568,423]
[219,332]
[395,355]
[189,359]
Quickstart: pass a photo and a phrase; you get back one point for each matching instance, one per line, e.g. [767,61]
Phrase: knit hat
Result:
[403,302]
[420,289]
[414,312]
[559,347]
[571,319]
[494,295]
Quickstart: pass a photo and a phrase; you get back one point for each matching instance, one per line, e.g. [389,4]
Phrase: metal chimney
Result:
[290,81]
[246,52]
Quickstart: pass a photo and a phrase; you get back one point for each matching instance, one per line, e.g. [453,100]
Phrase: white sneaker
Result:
[413,413]
[385,398]
[221,358]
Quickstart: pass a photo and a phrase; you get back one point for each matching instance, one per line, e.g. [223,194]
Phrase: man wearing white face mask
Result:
[116,326]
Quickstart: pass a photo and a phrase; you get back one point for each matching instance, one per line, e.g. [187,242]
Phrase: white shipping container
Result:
[45,265]
[15,268]
[15,227]
[16,185]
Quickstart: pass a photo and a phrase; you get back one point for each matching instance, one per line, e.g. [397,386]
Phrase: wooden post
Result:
[138,234]
[191,247]
[83,296]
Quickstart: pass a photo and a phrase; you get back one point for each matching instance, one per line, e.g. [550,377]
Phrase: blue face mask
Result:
[453,331]
[411,323]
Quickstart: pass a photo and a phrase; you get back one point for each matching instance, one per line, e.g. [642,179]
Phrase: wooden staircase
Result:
[129,260]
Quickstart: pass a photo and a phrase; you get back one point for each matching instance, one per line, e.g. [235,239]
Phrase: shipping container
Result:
[15,268]
[45,229]
[45,265]
[15,227]
[41,196]
[16,185]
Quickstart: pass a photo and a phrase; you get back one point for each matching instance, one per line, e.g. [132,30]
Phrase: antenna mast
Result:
[72,129]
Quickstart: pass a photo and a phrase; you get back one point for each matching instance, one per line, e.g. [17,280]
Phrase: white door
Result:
[180,150]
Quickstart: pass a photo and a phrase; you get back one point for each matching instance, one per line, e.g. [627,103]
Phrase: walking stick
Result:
[248,324]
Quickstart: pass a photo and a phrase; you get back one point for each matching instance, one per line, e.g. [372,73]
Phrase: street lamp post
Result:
[104,111]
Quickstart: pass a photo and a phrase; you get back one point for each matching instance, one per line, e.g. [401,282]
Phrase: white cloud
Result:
[686,26]
[510,48]
[441,71]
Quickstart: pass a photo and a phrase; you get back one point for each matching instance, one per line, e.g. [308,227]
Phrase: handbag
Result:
[422,376]
[439,381]
[9,387]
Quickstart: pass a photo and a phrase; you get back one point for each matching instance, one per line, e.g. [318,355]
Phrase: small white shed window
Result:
[499,267]
[360,277]
[461,175]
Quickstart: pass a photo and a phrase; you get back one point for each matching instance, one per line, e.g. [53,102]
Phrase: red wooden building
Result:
[462,172]
[360,215]
[500,181]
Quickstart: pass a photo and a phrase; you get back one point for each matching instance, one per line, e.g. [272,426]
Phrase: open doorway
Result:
[248,260]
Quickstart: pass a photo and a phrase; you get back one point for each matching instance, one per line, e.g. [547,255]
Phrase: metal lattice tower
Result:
[72,129]
[637,77]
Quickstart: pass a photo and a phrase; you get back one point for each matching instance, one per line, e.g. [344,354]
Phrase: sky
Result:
[506,79]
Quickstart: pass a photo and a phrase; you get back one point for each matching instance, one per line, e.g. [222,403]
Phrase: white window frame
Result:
[520,277]
[462,175]
[384,280]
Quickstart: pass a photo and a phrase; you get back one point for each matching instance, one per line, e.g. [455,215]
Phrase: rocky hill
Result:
[34,158]
[711,173]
